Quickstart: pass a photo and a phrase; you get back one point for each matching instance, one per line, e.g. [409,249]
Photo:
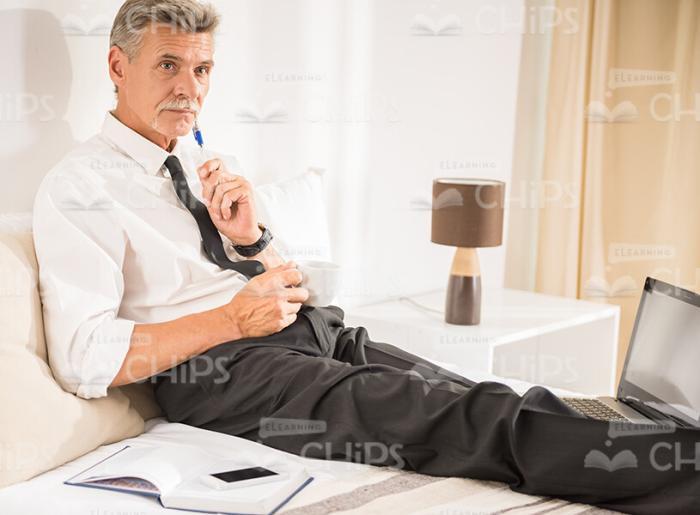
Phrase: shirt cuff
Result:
[105,355]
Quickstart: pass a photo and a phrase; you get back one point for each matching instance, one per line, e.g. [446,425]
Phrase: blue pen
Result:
[198,135]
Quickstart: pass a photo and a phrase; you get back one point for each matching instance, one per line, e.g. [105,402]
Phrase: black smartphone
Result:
[243,477]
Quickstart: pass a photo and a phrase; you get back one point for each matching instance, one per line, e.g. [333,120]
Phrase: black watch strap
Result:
[258,246]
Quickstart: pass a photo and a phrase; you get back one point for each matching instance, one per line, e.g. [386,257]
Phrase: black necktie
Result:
[211,239]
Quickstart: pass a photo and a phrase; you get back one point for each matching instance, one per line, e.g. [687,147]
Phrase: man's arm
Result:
[267,304]
[221,192]
[158,347]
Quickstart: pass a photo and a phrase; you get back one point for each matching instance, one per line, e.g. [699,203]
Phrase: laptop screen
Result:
[661,369]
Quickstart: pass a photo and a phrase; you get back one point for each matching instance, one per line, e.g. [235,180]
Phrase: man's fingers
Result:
[297,294]
[291,308]
[209,185]
[291,277]
[220,204]
[208,167]
[285,275]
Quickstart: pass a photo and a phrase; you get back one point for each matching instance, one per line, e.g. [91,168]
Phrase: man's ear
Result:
[117,60]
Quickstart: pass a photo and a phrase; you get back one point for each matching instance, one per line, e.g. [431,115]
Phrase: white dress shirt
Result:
[115,248]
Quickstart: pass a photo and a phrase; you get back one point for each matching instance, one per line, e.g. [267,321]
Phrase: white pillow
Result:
[42,426]
[295,211]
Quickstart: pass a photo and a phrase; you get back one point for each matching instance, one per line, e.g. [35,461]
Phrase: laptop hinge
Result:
[652,413]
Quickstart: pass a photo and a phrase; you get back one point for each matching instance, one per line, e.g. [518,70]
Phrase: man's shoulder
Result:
[76,177]
[81,164]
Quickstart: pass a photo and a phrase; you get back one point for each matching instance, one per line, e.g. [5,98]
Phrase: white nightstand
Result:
[555,341]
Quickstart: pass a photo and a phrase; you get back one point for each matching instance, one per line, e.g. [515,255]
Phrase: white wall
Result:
[382,109]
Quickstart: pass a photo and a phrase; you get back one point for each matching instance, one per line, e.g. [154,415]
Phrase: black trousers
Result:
[323,390]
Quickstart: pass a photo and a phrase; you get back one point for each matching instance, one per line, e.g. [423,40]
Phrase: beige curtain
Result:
[619,177]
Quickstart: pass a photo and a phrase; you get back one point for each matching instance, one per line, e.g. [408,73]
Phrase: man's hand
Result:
[230,202]
[269,302]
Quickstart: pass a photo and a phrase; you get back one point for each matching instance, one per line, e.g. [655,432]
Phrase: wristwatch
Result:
[258,246]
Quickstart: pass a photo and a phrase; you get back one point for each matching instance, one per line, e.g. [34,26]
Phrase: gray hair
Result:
[135,16]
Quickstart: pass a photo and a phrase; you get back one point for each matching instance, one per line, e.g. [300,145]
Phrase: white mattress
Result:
[338,486]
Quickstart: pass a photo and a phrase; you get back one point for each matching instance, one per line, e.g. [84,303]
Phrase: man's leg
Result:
[373,413]
[243,387]
[285,391]
[353,345]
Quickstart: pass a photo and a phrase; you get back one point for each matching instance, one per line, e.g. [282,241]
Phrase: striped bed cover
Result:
[375,490]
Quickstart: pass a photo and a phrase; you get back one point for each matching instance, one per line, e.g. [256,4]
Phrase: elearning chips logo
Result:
[624,459]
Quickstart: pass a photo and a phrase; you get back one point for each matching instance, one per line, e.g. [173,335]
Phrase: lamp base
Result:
[463,302]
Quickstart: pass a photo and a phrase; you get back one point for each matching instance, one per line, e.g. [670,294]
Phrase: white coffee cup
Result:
[323,280]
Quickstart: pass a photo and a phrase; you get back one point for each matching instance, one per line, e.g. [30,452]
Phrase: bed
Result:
[338,487]
[48,435]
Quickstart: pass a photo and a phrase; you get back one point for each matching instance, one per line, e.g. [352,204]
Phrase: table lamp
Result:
[467,214]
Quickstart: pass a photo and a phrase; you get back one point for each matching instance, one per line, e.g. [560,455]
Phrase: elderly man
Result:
[153,265]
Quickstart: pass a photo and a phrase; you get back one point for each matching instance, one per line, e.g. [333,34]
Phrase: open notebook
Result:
[174,476]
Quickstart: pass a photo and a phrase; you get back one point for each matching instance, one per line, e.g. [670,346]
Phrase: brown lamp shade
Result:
[467,213]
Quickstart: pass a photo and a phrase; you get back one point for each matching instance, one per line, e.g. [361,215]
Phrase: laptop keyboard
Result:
[593,408]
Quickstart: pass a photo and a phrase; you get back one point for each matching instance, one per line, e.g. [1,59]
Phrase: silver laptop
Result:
[661,380]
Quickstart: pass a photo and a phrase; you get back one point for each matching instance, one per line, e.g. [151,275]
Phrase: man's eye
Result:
[167,66]
[203,70]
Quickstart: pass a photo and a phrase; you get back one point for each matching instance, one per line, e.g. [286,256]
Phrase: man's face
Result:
[167,81]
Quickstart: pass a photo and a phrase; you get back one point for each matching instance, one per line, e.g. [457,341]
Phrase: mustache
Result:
[180,103]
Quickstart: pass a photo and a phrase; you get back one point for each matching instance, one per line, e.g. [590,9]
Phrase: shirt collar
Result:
[146,153]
